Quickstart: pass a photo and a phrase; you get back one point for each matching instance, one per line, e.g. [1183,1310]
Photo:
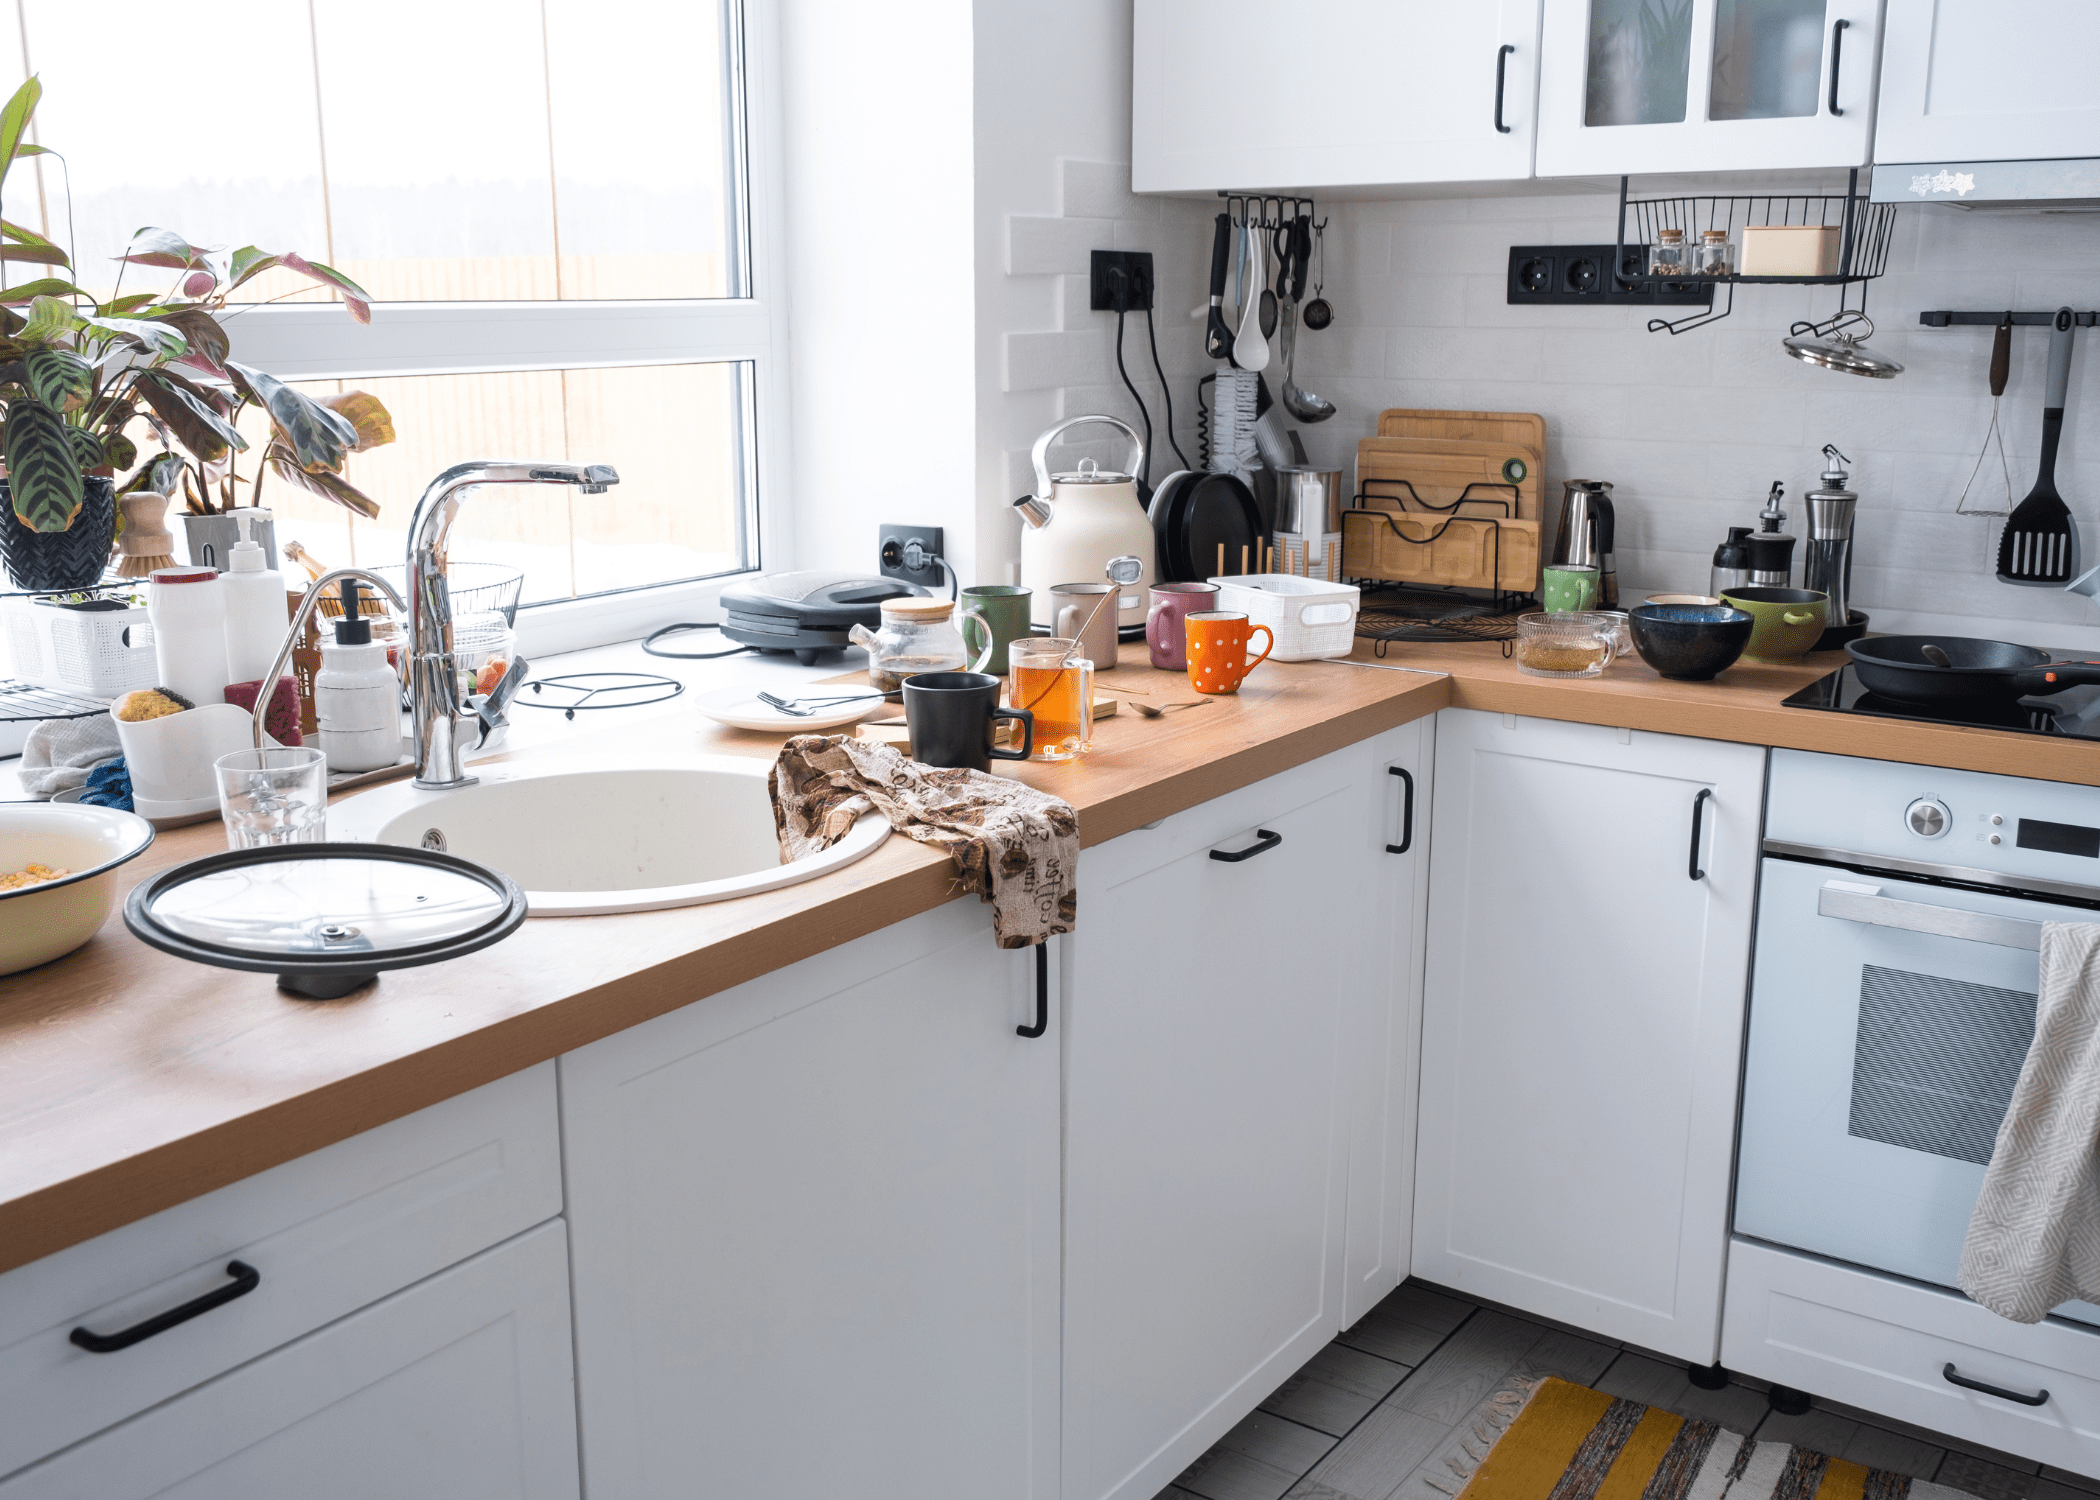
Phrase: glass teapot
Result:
[921,635]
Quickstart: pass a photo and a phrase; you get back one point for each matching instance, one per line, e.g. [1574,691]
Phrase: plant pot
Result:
[49,562]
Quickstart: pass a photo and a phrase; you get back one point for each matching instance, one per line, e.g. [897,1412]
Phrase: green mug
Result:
[1004,608]
[1569,587]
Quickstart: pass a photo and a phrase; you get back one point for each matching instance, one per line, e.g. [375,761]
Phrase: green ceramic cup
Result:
[1568,587]
[1789,621]
[1004,608]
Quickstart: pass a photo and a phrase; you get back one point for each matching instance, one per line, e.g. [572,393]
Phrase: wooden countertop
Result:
[131,1080]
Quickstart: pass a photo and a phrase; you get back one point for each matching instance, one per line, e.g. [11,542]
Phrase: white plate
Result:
[740,709]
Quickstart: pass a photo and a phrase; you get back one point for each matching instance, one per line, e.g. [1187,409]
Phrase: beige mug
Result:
[1070,606]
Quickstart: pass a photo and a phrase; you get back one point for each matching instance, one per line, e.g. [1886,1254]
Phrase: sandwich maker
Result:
[807,612]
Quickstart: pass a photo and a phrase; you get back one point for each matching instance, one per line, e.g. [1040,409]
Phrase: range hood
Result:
[2062,183]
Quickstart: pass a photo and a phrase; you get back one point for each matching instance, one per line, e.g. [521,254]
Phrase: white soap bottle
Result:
[357,697]
[256,617]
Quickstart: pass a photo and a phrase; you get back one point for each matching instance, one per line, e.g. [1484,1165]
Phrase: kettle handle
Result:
[1040,453]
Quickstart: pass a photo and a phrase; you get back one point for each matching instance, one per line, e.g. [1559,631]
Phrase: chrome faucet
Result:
[433,684]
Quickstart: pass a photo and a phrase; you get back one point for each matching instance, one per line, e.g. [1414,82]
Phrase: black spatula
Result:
[2040,545]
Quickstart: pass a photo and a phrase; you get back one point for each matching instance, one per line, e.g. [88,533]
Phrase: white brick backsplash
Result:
[1043,246]
[1101,190]
[1045,361]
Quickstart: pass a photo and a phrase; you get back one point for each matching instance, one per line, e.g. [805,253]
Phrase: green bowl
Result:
[1789,621]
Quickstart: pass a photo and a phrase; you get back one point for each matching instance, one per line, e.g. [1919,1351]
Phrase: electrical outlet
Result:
[1133,286]
[908,552]
[1574,275]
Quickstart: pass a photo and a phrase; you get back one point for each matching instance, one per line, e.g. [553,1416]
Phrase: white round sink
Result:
[587,840]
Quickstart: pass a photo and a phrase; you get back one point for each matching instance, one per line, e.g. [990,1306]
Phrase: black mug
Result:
[950,715]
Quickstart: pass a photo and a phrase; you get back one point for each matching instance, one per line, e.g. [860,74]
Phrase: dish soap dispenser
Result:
[256,616]
[357,698]
[1772,550]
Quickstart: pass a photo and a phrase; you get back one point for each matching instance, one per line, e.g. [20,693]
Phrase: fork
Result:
[793,705]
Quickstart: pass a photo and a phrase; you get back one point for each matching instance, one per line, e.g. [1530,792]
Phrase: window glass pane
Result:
[1768,59]
[1640,62]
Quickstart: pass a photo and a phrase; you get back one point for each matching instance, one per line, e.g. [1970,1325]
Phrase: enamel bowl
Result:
[41,922]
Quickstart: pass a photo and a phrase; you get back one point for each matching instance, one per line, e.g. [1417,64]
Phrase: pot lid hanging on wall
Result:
[1831,346]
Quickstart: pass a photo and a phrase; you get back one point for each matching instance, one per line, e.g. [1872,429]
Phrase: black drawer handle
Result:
[1955,1377]
[1407,811]
[1042,993]
[1267,842]
[1837,52]
[1501,77]
[1698,826]
[245,1280]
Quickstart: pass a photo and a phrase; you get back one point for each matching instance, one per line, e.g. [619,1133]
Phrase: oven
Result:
[1893,999]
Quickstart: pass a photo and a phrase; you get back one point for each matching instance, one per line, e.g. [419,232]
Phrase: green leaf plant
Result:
[75,372]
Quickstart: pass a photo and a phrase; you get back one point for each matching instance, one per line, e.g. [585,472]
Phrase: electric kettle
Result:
[1076,522]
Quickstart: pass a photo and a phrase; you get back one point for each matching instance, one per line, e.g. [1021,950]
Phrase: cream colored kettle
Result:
[1076,522]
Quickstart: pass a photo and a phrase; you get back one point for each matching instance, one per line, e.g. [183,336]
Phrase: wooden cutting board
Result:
[1487,462]
[1526,429]
[1458,552]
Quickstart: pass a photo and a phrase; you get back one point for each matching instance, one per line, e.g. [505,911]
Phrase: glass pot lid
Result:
[324,917]
[1833,346]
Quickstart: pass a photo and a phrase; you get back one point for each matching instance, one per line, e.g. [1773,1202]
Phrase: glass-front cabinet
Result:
[1631,86]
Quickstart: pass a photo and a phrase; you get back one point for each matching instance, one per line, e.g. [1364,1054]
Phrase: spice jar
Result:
[1666,255]
[1714,259]
[920,635]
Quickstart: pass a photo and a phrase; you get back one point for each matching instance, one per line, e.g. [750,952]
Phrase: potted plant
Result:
[75,373]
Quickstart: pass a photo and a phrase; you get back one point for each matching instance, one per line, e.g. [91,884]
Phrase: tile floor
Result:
[1383,1400]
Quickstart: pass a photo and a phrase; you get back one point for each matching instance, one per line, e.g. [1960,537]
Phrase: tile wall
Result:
[1691,429]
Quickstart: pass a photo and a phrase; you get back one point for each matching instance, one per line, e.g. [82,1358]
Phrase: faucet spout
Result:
[434,695]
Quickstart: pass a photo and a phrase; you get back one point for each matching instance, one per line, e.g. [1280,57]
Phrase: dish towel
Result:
[2034,1239]
[59,753]
[1016,847]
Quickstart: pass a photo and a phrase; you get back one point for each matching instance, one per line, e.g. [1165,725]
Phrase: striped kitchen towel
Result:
[1572,1443]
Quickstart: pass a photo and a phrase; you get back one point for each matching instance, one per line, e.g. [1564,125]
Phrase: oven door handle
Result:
[1852,903]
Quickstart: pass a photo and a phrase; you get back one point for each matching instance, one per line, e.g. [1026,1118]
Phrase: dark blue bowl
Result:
[1690,642]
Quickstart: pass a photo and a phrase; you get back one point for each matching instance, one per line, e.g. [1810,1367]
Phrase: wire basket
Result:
[472,587]
[1864,231]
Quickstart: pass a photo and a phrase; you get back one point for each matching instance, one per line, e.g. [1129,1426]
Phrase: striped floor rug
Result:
[1568,1442]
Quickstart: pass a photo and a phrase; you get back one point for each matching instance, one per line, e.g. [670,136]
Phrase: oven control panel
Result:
[2008,825]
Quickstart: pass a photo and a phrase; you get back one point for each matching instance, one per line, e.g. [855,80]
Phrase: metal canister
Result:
[1308,514]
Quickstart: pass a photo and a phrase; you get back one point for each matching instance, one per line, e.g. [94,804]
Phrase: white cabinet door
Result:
[1205,1126]
[1382,91]
[460,1386]
[1582,1021]
[1988,80]
[1633,86]
[1382,989]
[815,1227]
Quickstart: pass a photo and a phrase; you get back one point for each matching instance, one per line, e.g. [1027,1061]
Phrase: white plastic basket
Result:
[95,653]
[1311,618]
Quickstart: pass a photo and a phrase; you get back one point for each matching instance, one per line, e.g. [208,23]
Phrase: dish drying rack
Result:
[1863,242]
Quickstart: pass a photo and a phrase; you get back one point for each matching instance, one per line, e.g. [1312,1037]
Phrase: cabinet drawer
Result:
[326,1235]
[1875,1342]
[461,1386]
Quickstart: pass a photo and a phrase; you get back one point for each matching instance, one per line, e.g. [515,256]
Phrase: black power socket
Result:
[1573,275]
[1119,281]
[910,553]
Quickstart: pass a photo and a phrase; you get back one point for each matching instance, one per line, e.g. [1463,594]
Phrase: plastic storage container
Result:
[188,609]
[96,653]
[1310,618]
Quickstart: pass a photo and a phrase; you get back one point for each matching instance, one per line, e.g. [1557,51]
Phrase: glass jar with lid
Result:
[921,635]
[1666,255]
[1714,257]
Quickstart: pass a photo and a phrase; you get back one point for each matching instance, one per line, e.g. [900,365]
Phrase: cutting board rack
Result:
[1449,499]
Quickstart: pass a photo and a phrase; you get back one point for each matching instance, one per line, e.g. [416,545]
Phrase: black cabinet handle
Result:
[245,1280]
[1407,811]
[1698,822]
[1837,51]
[1042,993]
[1955,1377]
[1267,842]
[1502,77]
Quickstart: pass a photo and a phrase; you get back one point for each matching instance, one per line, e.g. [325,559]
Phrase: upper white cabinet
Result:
[1988,80]
[1376,91]
[1707,85]
[1589,939]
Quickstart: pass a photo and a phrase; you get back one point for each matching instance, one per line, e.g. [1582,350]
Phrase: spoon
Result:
[1122,571]
[1146,710]
[1300,403]
[1250,351]
[1935,655]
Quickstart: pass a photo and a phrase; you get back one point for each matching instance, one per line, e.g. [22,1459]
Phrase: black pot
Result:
[50,562]
[1690,642]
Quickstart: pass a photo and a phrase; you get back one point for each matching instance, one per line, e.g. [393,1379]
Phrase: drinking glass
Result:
[1059,693]
[1567,645]
[274,796]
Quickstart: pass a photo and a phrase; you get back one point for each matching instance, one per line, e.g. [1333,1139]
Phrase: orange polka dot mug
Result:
[1218,649]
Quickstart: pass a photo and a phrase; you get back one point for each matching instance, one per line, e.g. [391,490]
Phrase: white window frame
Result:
[314,341]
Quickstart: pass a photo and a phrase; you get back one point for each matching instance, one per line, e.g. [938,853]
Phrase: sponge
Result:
[149,703]
[281,717]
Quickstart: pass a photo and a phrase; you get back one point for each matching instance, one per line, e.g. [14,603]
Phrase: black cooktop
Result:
[2074,713]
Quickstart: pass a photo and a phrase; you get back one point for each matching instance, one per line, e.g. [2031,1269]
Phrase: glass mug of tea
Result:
[1057,690]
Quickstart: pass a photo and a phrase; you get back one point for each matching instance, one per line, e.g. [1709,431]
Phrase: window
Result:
[549,201]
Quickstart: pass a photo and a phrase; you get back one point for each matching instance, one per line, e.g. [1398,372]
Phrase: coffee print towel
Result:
[1016,847]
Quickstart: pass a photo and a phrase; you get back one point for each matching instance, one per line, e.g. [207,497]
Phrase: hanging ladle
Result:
[1300,403]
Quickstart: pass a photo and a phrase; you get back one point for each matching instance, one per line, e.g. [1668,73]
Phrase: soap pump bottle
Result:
[1772,550]
[256,616]
[357,697]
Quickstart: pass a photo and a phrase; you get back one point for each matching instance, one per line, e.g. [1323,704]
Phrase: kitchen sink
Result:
[587,840]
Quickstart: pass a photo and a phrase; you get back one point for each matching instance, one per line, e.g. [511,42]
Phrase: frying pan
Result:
[1896,666]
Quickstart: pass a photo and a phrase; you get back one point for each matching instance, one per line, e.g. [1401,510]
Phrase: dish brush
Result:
[143,539]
